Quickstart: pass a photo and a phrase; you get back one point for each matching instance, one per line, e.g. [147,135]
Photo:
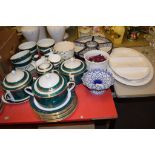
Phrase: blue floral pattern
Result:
[98,80]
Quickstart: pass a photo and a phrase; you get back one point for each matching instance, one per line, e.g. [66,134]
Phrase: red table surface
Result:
[89,107]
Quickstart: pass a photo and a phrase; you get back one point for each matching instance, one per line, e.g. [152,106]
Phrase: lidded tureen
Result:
[73,69]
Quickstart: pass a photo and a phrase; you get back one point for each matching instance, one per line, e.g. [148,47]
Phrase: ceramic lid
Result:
[72,63]
[16,79]
[49,80]
[49,85]
[54,58]
[44,67]
[72,66]
[15,76]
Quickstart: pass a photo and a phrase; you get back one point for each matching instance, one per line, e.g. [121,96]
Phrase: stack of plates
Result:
[58,113]
[130,67]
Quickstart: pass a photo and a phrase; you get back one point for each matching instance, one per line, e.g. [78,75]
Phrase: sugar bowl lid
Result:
[72,66]
[48,85]
[15,79]
[44,67]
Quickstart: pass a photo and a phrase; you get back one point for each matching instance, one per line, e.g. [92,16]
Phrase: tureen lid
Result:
[49,85]
[15,76]
[73,66]
[49,80]
[16,79]
[72,63]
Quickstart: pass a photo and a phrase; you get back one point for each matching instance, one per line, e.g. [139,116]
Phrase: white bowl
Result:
[45,43]
[96,65]
[65,49]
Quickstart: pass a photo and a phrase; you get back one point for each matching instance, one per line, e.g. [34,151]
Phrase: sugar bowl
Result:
[73,69]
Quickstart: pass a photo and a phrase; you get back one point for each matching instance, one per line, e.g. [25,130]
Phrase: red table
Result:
[90,107]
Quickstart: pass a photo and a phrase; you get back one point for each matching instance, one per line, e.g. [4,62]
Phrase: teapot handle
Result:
[28,90]
[70,88]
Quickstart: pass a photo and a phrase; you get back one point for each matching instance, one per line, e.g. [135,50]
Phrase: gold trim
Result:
[58,116]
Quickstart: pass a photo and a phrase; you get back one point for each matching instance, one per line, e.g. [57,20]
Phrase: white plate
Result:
[52,109]
[140,82]
[129,63]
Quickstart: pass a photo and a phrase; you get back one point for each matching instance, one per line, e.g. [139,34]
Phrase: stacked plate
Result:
[57,113]
[130,67]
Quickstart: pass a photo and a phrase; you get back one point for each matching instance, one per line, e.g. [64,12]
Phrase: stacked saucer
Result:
[57,113]
[130,67]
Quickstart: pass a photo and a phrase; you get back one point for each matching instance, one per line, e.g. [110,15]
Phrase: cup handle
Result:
[72,85]
[28,90]
[9,97]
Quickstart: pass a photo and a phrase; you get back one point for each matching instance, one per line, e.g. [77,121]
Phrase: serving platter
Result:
[129,64]
[140,82]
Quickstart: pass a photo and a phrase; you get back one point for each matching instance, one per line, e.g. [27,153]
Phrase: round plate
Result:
[129,63]
[133,82]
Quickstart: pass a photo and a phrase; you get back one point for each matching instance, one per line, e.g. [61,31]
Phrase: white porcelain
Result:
[51,80]
[19,54]
[40,61]
[27,45]
[53,108]
[31,33]
[46,42]
[96,65]
[65,49]
[54,58]
[15,76]
[130,64]
[42,32]
[44,67]
[72,63]
[56,32]
[140,82]
[25,60]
